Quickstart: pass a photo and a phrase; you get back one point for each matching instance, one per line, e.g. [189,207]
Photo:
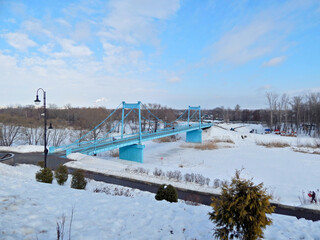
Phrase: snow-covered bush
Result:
[158,172]
[176,175]
[41,164]
[115,192]
[216,183]
[61,174]
[44,175]
[78,181]
[189,177]
[199,179]
[167,192]
[241,210]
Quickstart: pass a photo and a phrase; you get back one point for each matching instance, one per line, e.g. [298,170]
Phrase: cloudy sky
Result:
[177,53]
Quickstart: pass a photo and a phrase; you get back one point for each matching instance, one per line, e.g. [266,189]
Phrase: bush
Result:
[44,175]
[167,192]
[41,164]
[61,174]
[241,210]
[78,181]
[189,177]
[176,175]
[158,173]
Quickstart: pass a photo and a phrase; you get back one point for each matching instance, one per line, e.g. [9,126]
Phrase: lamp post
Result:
[37,101]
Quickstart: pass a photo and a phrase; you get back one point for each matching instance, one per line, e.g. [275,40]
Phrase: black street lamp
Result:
[37,102]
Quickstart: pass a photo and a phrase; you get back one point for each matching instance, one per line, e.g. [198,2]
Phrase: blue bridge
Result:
[130,145]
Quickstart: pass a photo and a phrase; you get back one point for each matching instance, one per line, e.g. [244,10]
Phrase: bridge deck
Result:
[106,144]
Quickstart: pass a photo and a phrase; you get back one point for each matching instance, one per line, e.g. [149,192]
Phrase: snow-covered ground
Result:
[285,172]
[31,210]
[22,148]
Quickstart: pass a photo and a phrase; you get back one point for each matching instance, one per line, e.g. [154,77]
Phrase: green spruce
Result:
[44,175]
[61,174]
[167,192]
[241,211]
[78,181]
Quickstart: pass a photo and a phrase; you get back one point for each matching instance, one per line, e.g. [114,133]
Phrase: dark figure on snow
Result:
[313,197]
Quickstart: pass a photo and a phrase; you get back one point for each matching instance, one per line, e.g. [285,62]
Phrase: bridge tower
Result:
[132,152]
[194,136]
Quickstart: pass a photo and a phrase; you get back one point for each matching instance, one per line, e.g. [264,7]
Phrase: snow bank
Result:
[22,148]
[31,210]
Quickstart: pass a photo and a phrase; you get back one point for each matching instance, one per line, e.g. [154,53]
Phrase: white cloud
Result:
[10,20]
[77,83]
[63,22]
[19,41]
[71,49]
[122,59]
[265,87]
[274,61]
[35,28]
[47,48]
[243,44]
[102,100]
[174,79]
[134,21]
[259,33]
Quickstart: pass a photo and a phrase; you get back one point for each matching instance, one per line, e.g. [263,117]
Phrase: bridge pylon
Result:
[132,152]
[194,136]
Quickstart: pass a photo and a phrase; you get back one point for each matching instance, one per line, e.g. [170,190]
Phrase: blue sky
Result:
[177,53]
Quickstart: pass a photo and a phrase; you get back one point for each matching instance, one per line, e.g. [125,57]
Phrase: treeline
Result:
[299,114]
[78,118]
[25,124]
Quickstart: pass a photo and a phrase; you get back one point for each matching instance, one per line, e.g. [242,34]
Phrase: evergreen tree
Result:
[167,192]
[44,175]
[61,174]
[241,210]
[78,181]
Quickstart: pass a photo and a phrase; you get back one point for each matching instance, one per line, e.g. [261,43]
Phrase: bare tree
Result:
[296,105]
[32,135]
[56,137]
[283,106]
[8,134]
[272,102]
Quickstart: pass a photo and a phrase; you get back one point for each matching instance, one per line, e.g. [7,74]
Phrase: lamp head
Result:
[37,101]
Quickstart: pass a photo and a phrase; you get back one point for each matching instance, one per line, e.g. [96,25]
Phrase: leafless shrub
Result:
[315,144]
[176,175]
[223,140]
[305,151]
[139,170]
[115,192]
[114,153]
[61,226]
[207,181]
[224,182]
[172,138]
[216,183]
[189,177]
[303,198]
[158,173]
[202,146]
[199,179]
[273,144]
